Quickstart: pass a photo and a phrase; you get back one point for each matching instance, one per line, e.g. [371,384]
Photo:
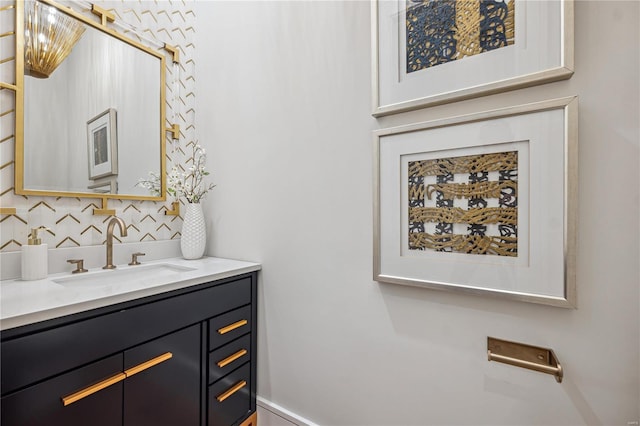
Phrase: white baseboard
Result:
[283,412]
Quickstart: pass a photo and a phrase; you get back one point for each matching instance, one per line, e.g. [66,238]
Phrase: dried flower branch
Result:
[189,184]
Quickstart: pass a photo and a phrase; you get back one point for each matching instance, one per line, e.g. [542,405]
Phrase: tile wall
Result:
[71,220]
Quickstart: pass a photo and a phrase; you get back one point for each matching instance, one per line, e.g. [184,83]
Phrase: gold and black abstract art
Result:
[466,204]
[441,31]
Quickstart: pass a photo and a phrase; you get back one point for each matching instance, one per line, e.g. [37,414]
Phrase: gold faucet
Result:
[123,233]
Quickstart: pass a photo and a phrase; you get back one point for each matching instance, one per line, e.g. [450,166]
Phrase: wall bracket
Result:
[175,209]
[175,131]
[530,357]
[104,210]
[175,52]
[105,15]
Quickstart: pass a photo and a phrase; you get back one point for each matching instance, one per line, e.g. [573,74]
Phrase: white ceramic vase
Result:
[194,233]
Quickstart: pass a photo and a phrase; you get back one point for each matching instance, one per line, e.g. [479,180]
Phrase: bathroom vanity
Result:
[169,342]
[178,348]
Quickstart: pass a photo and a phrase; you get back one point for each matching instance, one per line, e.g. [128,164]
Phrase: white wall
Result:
[283,105]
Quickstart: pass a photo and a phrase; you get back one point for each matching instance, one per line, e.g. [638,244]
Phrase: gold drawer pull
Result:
[231,391]
[70,399]
[148,364]
[228,360]
[232,327]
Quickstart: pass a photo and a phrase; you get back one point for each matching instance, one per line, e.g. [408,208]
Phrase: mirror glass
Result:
[95,125]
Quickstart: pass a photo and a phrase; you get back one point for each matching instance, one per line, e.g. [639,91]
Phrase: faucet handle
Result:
[134,258]
[79,265]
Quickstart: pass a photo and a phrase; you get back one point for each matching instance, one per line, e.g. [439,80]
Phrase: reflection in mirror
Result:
[94,125]
[49,38]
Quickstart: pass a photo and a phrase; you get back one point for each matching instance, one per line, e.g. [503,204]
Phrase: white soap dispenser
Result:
[34,257]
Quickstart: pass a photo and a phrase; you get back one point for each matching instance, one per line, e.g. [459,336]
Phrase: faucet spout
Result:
[123,233]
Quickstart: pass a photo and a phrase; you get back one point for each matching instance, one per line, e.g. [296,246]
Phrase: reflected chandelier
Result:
[49,37]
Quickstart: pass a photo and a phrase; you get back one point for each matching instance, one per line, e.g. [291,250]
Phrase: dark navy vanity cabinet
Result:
[181,358]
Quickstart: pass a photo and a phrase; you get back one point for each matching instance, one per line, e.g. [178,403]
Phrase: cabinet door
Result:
[160,390]
[42,404]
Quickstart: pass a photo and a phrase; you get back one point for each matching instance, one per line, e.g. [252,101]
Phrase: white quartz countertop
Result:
[27,302]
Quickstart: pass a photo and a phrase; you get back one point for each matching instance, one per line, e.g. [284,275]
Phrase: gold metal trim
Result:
[228,360]
[231,327]
[5,60]
[68,239]
[76,396]
[7,210]
[231,391]
[175,209]
[17,243]
[251,420]
[175,131]
[42,203]
[19,120]
[148,364]
[543,360]
[18,169]
[174,51]
[104,15]
[7,112]
[104,211]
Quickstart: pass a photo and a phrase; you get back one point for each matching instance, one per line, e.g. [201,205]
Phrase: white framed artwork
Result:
[427,52]
[102,145]
[481,203]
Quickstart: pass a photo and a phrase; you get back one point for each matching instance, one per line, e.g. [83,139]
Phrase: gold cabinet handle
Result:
[231,391]
[232,327]
[148,364]
[228,360]
[76,396]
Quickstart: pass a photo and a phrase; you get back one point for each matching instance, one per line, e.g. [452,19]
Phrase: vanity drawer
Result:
[230,326]
[229,357]
[230,397]
[42,404]
[43,354]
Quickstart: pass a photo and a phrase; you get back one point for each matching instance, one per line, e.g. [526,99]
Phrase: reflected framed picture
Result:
[430,52]
[481,204]
[107,185]
[102,145]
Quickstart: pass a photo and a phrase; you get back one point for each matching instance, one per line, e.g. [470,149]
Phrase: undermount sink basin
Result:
[129,274]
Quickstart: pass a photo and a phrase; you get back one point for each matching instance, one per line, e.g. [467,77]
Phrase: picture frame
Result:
[420,61]
[102,145]
[107,185]
[483,204]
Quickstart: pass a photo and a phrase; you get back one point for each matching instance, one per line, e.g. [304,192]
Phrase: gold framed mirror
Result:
[92,125]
